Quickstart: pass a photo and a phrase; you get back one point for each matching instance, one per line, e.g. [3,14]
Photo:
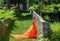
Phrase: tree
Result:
[1,3]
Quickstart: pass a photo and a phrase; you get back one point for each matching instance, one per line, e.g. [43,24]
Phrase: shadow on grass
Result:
[24,17]
[27,17]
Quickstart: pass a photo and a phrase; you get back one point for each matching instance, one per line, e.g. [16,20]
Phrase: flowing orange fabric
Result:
[31,32]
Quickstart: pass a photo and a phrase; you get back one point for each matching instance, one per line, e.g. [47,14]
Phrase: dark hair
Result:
[33,17]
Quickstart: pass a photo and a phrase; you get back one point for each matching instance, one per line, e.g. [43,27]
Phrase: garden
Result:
[18,23]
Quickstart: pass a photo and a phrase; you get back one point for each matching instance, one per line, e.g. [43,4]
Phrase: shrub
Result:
[56,31]
[7,14]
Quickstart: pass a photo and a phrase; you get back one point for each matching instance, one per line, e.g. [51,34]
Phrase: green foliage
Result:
[7,14]
[33,7]
[32,2]
[48,8]
[56,31]
[46,18]
[1,2]
[51,8]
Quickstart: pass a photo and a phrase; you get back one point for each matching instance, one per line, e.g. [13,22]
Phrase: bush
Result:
[7,14]
[56,31]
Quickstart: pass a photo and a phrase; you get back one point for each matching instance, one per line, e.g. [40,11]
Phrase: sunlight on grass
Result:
[21,26]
